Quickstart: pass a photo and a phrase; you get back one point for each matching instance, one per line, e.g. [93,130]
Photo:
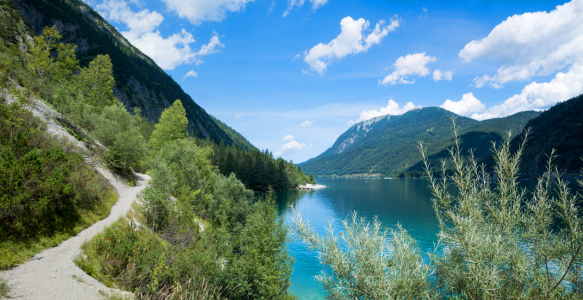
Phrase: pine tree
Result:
[171,126]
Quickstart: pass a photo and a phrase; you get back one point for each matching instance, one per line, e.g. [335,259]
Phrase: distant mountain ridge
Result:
[140,83]
[388,144]
[559,128]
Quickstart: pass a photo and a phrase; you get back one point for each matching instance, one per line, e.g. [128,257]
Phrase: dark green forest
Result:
[388,145]
[559,128]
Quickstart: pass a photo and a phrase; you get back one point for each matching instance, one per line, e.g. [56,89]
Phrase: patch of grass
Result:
[4,287]
[15,251]
[113,296]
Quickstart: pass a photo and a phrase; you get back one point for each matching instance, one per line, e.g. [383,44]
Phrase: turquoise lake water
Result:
[407,202]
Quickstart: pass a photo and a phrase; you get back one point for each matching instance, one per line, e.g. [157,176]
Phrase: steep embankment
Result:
[140,83]
[52,274]
[388,144]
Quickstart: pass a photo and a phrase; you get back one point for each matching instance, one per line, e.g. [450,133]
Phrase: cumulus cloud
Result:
[240,115]
[469,104]
[392,108]
[438,75]
[530,44]
[290,148]
[351,40]
[412,64]
[288,137]
[307,123]
[291,3]
[198,11]
[168,52]
[190,73]
[538,96]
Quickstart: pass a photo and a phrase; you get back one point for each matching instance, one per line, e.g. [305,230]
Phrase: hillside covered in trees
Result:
[50,192]
[559,128]
[139,82]
[389,144]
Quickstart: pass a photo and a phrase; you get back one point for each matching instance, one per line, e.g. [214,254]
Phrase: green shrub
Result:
[47,191]
[4,287]
[495,242]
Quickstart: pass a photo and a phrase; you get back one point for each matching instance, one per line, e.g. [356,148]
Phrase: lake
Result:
[407,202]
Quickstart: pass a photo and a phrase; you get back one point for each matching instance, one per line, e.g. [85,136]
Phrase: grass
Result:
[15,252]
[4,287]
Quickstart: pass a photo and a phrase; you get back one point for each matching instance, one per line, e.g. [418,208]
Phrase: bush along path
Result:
[52,274]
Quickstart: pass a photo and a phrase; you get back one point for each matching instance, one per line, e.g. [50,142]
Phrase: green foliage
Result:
[241,254]
[387,144]
[258,170]
[494,241]
[47,191]
[170,127]
[231,202]
[558,128]
[96,82]
[94,36]
[4,287]
[120,132]
[363,265]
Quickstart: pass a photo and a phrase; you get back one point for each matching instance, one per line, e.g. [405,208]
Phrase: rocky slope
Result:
[140,83]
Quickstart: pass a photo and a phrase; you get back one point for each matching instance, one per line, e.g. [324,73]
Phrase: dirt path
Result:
[52,274]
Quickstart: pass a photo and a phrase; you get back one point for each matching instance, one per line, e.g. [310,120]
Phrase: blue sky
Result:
[291,76]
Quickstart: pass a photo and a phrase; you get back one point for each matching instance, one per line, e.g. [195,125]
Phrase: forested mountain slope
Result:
[559,128]
[140,83]
[388,144]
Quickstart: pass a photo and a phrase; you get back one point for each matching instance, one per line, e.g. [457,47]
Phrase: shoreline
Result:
[309,186]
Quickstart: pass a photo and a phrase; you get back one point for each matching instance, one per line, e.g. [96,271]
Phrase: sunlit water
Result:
[407,202]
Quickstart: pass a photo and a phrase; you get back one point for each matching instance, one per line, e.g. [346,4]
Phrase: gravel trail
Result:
[52,274]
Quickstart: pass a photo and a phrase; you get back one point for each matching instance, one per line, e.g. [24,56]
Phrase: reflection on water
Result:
[407,202]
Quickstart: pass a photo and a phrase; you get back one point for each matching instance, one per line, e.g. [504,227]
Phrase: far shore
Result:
[309,186]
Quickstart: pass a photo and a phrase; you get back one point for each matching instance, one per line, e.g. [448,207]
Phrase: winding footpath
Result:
[52,274]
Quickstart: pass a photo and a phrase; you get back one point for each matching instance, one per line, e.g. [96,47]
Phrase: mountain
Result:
[559,128]
[388,144]
[140,83]
[237,138]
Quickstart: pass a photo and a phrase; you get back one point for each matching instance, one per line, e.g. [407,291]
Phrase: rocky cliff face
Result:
[140,83]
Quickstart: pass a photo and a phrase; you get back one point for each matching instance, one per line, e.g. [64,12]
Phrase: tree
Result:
[96,82]
[495,242]
[170,127]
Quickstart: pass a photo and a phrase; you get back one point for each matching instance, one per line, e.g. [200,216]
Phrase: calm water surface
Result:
[407,202]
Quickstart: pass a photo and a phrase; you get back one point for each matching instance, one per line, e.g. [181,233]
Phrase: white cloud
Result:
[288,137]
[538,96]
[469,104]
[271,8]
[190,73]
[530,44]
[168,52]
[290,148]
[412,64]
[351,40]
[392,108]
[307,123]
[291,3]
[238,116]
[349,123]
[197,11]
[438,75]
